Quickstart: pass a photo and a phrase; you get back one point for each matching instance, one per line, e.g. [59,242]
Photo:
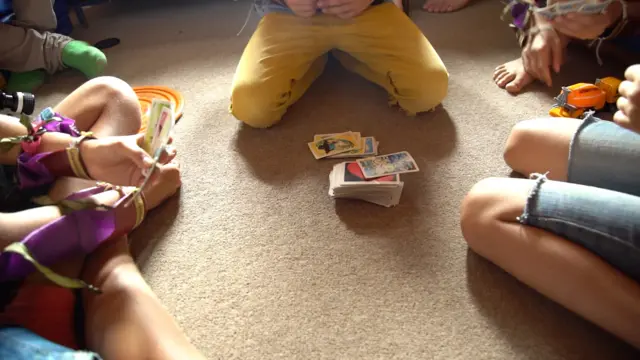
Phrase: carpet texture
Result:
[257,262]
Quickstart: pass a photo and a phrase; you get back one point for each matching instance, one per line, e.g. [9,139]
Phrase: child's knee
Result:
[255,106]
[428,88]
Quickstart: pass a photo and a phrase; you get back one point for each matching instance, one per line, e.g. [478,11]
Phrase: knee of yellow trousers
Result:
[426,90]
[256,106]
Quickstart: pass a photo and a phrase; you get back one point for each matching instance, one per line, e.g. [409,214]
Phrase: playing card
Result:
[596,8]
[368,147]
[154,116]
[356,136]
[396,163]
[163,129]
[567,7]
[333,145]
[351,174]
[548,14]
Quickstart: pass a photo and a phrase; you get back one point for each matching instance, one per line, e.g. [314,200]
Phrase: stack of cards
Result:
[376,180]
[343,145]
[576,6]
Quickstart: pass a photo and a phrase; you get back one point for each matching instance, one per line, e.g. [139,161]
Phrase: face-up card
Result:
[333,145]
[162,131]
[154,116]
[567,7]
[356,136]
[368,147]
[351,173]
[594,8]
[396,163]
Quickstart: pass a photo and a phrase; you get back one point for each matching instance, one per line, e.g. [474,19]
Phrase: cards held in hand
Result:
[347,182]
[343,145]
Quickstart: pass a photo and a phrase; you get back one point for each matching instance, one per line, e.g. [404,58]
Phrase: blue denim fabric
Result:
[21,344]
[264,7]
[599,207]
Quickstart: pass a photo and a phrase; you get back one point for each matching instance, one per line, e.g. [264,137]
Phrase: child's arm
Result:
[10,127]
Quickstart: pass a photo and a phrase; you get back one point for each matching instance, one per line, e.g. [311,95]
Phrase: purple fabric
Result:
[31,173]
[63,125]
[86,193]
[519,14]
[78,233]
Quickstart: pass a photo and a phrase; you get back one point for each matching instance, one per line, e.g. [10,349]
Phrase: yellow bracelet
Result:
[73,153]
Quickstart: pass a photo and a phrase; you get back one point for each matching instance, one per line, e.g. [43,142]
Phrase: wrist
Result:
[51,142]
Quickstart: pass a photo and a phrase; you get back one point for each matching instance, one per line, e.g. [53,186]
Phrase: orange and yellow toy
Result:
[574,100]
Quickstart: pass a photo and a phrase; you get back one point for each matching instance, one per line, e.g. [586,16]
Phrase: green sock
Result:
[84,57]
[25,81]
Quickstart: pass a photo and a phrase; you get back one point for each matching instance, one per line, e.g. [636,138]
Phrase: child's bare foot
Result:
[443,6]
[512,76]
[398,3]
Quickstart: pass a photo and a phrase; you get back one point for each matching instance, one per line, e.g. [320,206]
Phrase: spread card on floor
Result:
[368,147]
[356,135]
[396,163]
[333,145]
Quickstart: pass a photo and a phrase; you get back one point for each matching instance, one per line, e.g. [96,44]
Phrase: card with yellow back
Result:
[322,136]
[333,145]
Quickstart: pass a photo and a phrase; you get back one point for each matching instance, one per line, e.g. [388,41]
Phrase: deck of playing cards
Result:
[343,145]
[348,182]
[374,179]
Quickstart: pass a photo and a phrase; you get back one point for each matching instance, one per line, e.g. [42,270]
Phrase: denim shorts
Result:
[599,205]
[17,343]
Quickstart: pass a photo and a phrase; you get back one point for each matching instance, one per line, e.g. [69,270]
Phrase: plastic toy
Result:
[146,94]
[574,100]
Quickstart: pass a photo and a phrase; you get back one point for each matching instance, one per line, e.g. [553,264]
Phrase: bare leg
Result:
[557,268]
[444,6]
[127,321]
[106,106]
[541,145]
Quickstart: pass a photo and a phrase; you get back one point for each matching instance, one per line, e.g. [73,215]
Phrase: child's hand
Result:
[628,114]
[344,9]
[587,26]
[542,52]
[303,8]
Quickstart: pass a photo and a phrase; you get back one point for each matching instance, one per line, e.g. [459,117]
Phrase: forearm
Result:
[11,127]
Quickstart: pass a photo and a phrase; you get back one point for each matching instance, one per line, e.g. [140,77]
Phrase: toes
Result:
[505,79]
[516,85]
[513,87]
[498,73]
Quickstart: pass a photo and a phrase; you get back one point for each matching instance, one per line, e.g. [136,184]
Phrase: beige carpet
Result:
[257,262]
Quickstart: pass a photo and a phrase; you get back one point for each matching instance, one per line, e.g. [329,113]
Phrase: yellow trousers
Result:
[287,53]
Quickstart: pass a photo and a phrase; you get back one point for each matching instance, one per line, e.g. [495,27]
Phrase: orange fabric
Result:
[46,310]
